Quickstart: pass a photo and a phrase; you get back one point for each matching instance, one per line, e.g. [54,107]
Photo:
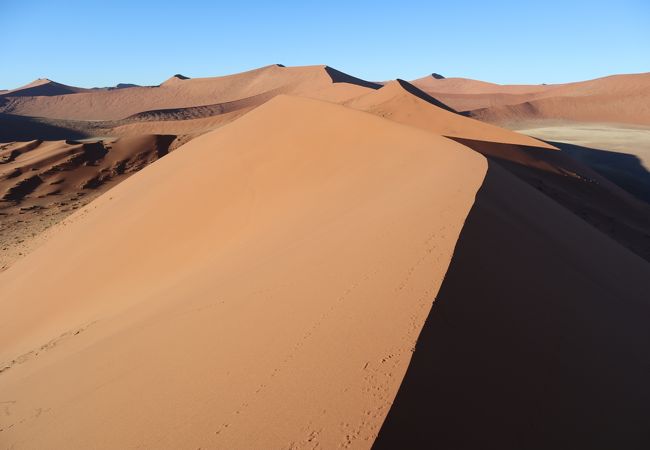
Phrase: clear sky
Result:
[100,43]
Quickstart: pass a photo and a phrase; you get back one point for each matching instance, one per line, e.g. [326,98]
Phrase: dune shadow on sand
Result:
[621,168]
[341,77]
[23,128]
[578,187]
[413,90]
[538,337]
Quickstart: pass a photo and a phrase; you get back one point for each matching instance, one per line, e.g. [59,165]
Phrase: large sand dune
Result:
[262,287]
[184,93]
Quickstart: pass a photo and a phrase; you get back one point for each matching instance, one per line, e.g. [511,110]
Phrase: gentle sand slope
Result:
[263,287]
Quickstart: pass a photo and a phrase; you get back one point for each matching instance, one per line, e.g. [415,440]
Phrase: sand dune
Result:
[42,87]
[272,277]
[474,87]
[617,99]
[404,103]
[181,93]
[573,184]
[604,108]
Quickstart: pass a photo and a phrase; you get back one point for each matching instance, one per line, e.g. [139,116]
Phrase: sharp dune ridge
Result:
[178,93]
[293,257]
[297,199]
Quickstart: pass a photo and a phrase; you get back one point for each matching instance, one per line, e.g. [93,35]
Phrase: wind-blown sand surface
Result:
[252,289]
[43,182]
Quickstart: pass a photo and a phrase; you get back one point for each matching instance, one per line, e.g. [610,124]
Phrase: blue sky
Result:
[100,43]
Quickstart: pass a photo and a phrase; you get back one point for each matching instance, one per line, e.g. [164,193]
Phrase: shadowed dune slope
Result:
[538,338]
[275,271]
[185,93]
[67,167]
[22,128]
[573,184]
[577,187]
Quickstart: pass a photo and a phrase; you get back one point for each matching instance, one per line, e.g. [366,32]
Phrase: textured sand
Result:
[43,182]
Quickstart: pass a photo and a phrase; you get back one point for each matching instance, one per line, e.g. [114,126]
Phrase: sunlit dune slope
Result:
[263,286]
[260,84]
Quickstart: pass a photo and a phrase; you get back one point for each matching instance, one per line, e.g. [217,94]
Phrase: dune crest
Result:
[270,261]
[176,92]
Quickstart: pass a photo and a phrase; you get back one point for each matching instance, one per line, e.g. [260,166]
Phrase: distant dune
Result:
[404,103]
[617,99]
[42,87]
[177,92]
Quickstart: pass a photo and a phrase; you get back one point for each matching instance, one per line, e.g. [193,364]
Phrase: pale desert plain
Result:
[297,258]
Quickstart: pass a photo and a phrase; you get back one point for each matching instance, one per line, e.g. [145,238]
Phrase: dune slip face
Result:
[538,338]
[262,287]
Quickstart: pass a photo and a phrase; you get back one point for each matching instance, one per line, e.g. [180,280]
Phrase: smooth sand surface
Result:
[261,287]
